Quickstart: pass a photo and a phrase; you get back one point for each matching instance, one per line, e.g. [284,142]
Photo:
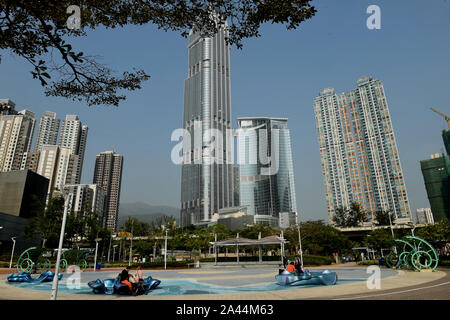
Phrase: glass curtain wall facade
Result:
[264,191]
[206,186]
[360,160]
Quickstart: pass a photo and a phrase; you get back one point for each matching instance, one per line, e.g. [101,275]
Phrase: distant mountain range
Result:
[145,212]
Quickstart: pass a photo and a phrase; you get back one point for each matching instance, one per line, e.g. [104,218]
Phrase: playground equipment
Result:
[33,257]
[412,253]
[39,258]
[111,286]
[46,276]
[287,278]
[74,256]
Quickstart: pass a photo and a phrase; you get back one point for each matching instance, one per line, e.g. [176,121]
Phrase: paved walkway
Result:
[238,276]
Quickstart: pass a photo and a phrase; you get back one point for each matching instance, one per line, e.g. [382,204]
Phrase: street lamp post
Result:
[300,244]
[131,243]
[67,196]
[109,249]
[114,252]
[165,251]
[96,249]
[390,223]
[12,253]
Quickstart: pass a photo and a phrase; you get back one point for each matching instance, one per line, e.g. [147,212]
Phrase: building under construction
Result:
[436,175]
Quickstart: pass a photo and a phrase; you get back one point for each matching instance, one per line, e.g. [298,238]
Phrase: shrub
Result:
[367,262]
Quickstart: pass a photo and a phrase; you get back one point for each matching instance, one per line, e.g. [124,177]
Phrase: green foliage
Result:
[136,227]
[308,260]
[252,232]
[349,217]
[368,262]
[37,31]
[380,238]
[47,223]
[317,238]
[382,217]
[435,232]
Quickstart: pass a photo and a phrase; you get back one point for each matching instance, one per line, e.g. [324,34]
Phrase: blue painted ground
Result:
[182,282]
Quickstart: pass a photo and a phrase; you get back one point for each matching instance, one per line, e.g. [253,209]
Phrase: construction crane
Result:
[446,117]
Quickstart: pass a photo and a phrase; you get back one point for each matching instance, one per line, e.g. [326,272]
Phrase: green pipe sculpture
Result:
[35,256]
[413,253]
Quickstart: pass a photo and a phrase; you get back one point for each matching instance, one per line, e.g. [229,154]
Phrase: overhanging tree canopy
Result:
[37,31]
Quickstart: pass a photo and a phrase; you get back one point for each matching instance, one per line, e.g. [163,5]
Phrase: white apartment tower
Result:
[16,134]
[74,136]
[48,130]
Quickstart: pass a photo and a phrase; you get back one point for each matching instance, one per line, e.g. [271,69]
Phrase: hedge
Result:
[368,262]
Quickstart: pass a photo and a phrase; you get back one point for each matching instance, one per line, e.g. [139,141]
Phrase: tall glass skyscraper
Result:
[266,169]
[360,160]
[206,186]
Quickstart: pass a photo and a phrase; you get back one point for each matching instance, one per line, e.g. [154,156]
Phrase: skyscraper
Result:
[206,186]
[74,136]
[16,134]
[266,168]
[360,160]
[108,176]
[48,130]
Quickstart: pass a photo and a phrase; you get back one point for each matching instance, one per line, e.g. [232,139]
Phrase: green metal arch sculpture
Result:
[413,253]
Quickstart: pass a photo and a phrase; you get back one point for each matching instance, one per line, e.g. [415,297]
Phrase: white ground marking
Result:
[396,292]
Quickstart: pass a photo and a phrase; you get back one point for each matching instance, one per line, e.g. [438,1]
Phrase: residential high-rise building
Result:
[48,164]
[207,185]
[108,176]
[16,134]
[87,197]
[266,168]
[424,216]
[48,130]
[30,161]
[74,137]
[360,160]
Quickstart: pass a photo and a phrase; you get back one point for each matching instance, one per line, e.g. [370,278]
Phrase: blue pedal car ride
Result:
[325,277]
[23,276]
[113,286]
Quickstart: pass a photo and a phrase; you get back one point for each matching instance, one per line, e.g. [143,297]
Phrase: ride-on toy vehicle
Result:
[287,278]
[23,276]
[113,286]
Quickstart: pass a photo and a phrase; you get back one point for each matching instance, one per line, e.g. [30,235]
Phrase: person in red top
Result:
[290,267]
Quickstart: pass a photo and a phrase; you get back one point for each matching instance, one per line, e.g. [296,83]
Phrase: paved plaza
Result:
[245,282]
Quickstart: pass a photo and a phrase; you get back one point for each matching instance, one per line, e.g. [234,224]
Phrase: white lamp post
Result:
[96,249]
[131,243]
[300,245]
[114,252]
[67,196]
[12,253]
[165,251]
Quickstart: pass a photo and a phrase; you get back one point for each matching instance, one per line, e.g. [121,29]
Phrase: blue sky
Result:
[278,74]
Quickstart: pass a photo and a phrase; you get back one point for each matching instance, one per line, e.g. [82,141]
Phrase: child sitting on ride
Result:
[290,267]
[124,277]
[298,266]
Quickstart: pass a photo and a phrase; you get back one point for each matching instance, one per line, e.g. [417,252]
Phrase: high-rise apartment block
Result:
[48,130]
[87,197]
[16,134]
[108,176]
[360,160]
[206,186]
[74,136]
[424,216]
[266,168]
